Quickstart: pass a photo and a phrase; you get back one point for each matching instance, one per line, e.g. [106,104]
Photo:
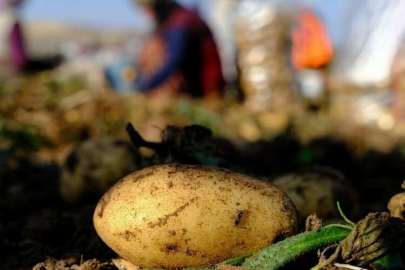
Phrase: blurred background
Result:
[287,84]
[312,52]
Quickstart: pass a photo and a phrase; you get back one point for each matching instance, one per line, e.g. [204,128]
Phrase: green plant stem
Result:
[236,261]
[290,249]
[348,221]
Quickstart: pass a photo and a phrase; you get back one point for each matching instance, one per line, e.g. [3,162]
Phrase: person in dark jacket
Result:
[182,53]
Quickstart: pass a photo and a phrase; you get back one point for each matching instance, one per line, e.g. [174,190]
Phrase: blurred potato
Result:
[318,191]
[94,166]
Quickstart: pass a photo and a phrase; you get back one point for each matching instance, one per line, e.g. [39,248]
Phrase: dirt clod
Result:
[313,223]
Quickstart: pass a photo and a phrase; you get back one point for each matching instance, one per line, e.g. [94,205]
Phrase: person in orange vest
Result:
[312,51]
[312,47]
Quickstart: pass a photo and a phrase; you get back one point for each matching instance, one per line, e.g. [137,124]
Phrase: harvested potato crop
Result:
[316,191]
[396,206]
[94,166]
[174,216]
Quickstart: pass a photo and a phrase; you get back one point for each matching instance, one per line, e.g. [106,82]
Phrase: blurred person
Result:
[12,50]
[13,54]
[312,47]
[311,53]
[182,55]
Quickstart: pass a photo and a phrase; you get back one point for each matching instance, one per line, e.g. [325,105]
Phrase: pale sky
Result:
[100,13]
[124,14]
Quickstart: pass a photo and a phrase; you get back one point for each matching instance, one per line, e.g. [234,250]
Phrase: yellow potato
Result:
[175,216]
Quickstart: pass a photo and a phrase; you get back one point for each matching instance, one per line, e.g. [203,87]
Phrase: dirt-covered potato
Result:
[396,206]
[94,166]
[174,216]
[316,192]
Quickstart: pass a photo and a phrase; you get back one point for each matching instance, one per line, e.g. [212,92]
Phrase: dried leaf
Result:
[89,265]
[373,237]
[122,264]
[313,223]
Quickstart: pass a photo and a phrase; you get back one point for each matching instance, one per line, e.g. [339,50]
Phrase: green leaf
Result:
[306,156]
[391,261]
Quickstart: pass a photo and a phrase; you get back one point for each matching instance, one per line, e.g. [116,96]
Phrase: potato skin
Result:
[176,216]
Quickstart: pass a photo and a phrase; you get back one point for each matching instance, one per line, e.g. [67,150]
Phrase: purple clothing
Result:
[17,53]
[17,49]
[3,4]
[9,3]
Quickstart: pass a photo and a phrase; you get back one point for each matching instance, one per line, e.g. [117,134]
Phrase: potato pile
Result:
[263,34]
[177,216]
